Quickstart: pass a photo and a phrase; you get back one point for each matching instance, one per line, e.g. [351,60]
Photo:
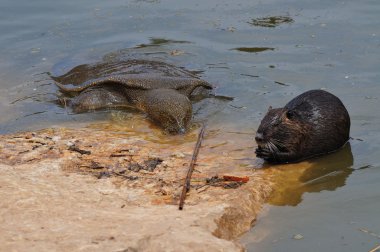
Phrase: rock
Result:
[178,155]
[52,198]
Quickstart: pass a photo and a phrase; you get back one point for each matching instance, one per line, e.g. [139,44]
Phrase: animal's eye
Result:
[290,115]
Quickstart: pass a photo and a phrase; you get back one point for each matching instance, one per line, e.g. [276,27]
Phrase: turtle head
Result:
[168,108]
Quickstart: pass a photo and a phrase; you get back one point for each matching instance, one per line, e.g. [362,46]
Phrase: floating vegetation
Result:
[253,49]
[161,41]
[281,83]
[271,21]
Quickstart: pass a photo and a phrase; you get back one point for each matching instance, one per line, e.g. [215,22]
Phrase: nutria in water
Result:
[312,124]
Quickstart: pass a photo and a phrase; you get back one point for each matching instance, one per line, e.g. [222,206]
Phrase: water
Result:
[260,52]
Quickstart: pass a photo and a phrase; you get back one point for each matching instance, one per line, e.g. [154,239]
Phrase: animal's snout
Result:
[259,137]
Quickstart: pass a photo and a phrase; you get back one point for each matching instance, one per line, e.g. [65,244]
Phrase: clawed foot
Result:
[263,153]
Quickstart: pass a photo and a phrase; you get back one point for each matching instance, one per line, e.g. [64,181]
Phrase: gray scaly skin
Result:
[164,99]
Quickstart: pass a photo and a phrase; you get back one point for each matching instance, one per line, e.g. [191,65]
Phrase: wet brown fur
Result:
[313,123]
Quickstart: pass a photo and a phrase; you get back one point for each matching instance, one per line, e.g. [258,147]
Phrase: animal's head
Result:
[280,135]
[169,109]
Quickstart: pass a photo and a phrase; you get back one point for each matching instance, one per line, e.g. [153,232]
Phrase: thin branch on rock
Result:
[125,176]
[186,185]
[75,148]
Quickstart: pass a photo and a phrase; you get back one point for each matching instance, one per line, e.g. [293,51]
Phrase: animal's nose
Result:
[259,137]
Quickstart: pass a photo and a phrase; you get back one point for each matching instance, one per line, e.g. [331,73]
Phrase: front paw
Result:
[263,153]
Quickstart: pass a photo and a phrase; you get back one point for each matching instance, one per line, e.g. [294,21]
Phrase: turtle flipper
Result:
[131,80]
[99,98]
[194,83]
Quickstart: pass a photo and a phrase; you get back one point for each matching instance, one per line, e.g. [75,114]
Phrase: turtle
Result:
[162,92]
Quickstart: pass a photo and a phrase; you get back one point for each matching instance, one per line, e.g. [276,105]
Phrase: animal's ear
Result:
[270,108]
[290,114]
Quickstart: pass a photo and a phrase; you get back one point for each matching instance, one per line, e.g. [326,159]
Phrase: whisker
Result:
[267,146]
[274,149]
[273,146]
[278,143]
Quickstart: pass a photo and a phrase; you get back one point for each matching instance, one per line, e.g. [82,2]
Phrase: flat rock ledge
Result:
[95,190]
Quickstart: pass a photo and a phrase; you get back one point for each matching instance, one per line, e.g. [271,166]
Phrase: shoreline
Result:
[91,190]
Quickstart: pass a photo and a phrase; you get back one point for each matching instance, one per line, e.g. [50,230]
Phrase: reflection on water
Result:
[325,173]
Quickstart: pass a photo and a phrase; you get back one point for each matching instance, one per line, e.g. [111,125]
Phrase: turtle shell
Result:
[124,83]
[132,74]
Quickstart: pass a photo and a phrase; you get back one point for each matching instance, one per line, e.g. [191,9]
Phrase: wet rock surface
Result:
[96,190]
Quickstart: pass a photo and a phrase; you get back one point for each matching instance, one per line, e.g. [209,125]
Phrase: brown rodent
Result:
[312,124]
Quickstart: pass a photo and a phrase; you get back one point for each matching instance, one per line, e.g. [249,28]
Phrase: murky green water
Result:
[260,52]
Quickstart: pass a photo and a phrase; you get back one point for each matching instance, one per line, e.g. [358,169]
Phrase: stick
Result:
[186,184]
[75,148]
[375,249]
